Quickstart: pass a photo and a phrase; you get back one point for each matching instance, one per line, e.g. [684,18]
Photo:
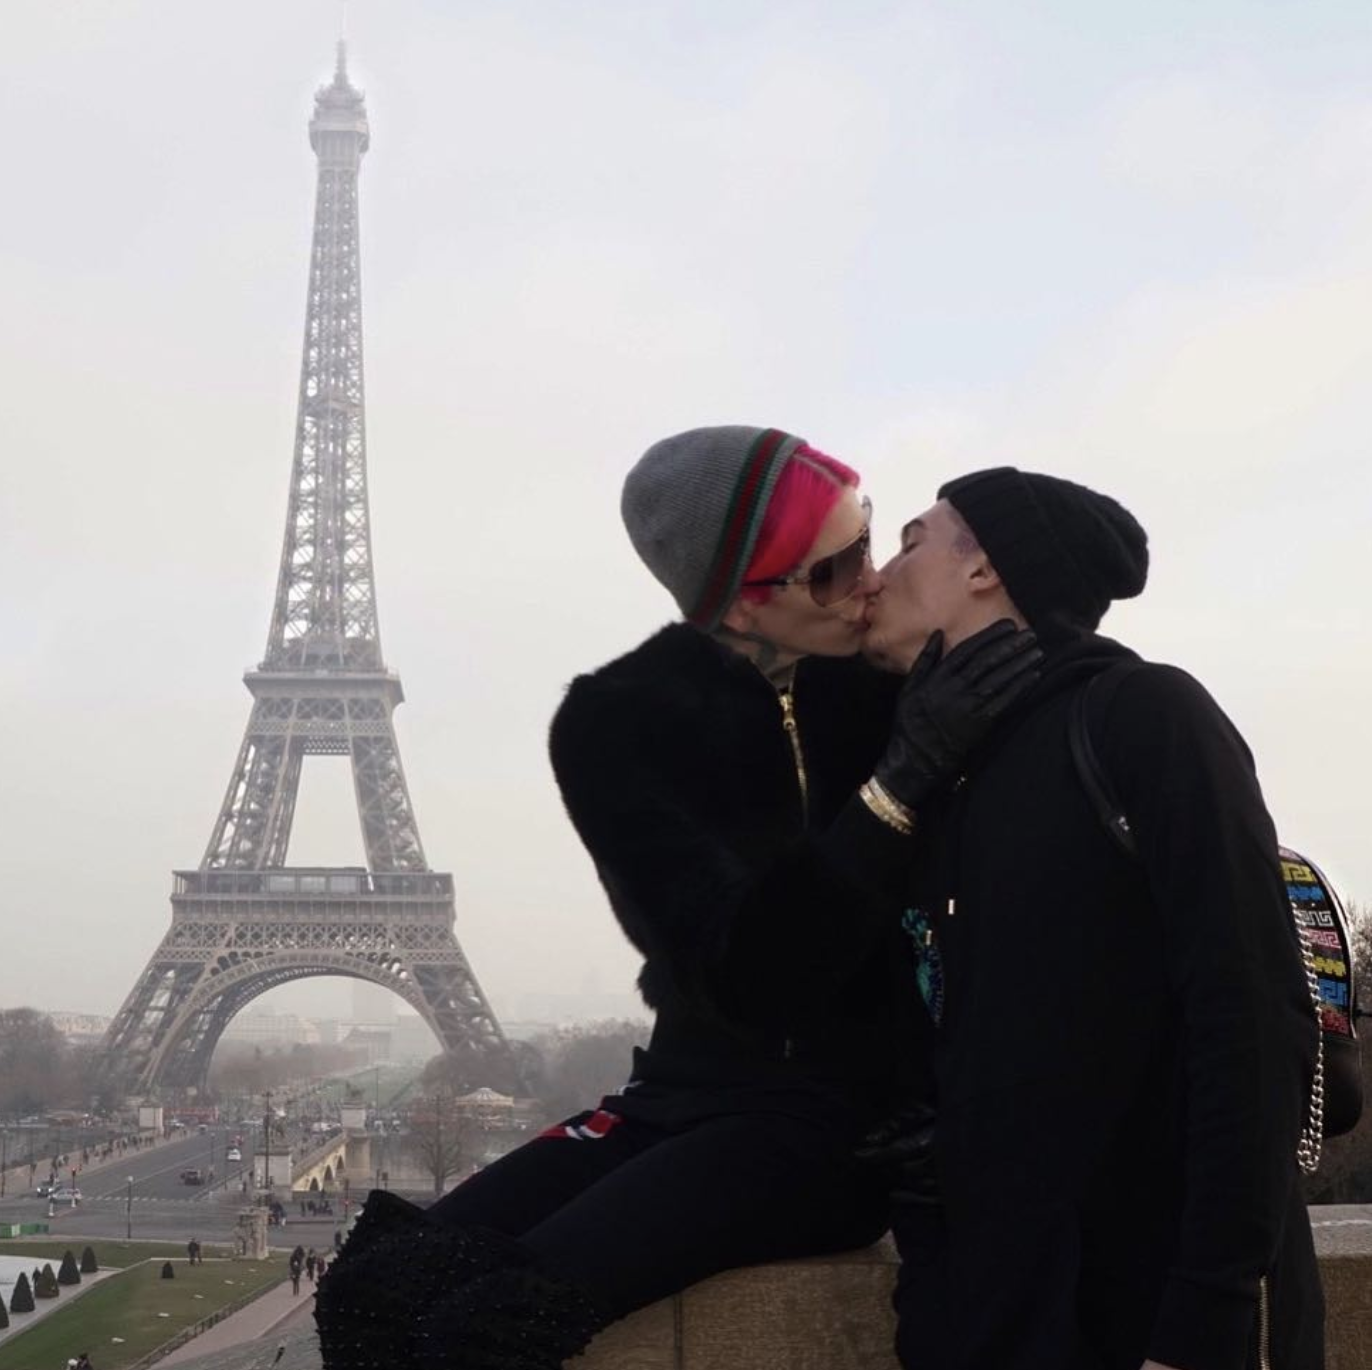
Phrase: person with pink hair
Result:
[747,788]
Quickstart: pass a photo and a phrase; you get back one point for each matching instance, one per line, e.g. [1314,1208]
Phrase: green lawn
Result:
[129,1305]
[111,1255]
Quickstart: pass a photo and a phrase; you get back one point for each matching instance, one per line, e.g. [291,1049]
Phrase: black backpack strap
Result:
[1089,770]
[1337,1102]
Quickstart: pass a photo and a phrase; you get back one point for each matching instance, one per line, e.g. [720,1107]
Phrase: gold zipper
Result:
[788,721]
[1264,1327]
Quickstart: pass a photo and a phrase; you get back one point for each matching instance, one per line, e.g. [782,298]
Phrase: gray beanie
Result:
[693,506]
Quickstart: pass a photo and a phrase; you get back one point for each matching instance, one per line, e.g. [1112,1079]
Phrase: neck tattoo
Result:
[763,653]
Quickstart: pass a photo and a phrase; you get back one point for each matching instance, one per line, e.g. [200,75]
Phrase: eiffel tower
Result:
[244,921]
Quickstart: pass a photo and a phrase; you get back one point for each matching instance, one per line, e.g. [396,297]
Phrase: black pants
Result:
[631,1212]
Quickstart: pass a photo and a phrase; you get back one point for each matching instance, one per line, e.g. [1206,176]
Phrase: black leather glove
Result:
[948,703]
[904,1145]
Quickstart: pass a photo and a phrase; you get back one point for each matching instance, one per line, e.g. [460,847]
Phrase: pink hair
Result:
[807,489]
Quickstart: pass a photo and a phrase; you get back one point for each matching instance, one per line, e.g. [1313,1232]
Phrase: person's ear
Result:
[982,577]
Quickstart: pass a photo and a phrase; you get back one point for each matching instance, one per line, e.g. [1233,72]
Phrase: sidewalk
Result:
[275,1309]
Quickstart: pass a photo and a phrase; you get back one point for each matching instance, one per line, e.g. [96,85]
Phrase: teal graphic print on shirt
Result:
[928,962]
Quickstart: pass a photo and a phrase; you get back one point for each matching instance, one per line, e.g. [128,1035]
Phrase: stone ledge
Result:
[833,1313]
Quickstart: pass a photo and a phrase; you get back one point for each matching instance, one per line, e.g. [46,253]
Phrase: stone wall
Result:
[833,1313]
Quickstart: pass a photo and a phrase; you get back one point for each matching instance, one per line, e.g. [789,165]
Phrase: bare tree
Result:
[34,1059]
[442,1137]
[472,1066]
[584,1062]
[241,1069]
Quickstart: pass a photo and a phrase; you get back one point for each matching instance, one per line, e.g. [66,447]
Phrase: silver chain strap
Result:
[1312,1138]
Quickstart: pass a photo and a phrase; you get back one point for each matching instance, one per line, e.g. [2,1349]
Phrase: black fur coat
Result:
[767,916]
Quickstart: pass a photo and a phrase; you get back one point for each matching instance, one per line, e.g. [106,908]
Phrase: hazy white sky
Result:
[1127,243]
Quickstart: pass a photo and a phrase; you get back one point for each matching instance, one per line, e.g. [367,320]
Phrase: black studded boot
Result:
[516,1318]
[350,1298]
[369,1320]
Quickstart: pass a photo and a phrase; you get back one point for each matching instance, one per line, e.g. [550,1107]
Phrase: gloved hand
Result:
[948,703]
[904,1144]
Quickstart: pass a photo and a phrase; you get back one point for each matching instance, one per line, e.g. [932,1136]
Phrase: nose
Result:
[871,581]
[869,586]
[884,571]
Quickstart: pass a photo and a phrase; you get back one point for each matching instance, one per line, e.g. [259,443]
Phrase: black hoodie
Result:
[1126,1045]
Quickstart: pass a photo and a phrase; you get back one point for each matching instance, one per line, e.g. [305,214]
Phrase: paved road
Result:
[159,1205]
[156,1172]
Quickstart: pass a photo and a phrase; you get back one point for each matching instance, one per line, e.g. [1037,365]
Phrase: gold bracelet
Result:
[885,806]
[902,813]
[884,796]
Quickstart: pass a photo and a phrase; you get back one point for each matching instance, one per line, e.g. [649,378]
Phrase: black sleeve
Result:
[1247,1029]
[754,937]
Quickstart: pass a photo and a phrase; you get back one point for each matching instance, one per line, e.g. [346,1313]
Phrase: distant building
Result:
[80,1029]
[272,1030]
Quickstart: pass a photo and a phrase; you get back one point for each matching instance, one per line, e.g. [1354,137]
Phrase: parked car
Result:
[65,1194]
[192,1175]
[233,1154]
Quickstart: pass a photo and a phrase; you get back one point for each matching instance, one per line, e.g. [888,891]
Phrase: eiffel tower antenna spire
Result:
[244,921]
[340,74]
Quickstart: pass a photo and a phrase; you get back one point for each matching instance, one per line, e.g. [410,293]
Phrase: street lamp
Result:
[267,1147]
[128,1212]
[4,1157]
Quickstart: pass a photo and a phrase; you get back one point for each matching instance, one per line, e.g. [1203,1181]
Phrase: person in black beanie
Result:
[1125,1039]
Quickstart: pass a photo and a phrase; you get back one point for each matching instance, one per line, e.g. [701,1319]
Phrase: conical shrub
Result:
[22,1298]
[89,1265]
[46,1286]
[69,1274]
[167,1272]
[4,1317]
[21,1301]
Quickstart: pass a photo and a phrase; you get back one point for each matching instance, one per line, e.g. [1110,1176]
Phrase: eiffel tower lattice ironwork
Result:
[244,921]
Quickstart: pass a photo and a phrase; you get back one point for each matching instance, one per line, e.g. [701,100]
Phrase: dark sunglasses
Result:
[833,578]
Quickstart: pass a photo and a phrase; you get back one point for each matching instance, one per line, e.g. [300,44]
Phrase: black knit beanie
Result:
[1064,552]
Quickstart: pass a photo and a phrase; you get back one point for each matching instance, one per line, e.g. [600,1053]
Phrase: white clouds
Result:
[1229,152]
[1196,135]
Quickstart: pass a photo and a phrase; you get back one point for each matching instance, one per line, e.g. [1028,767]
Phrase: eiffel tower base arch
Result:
[237,934]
